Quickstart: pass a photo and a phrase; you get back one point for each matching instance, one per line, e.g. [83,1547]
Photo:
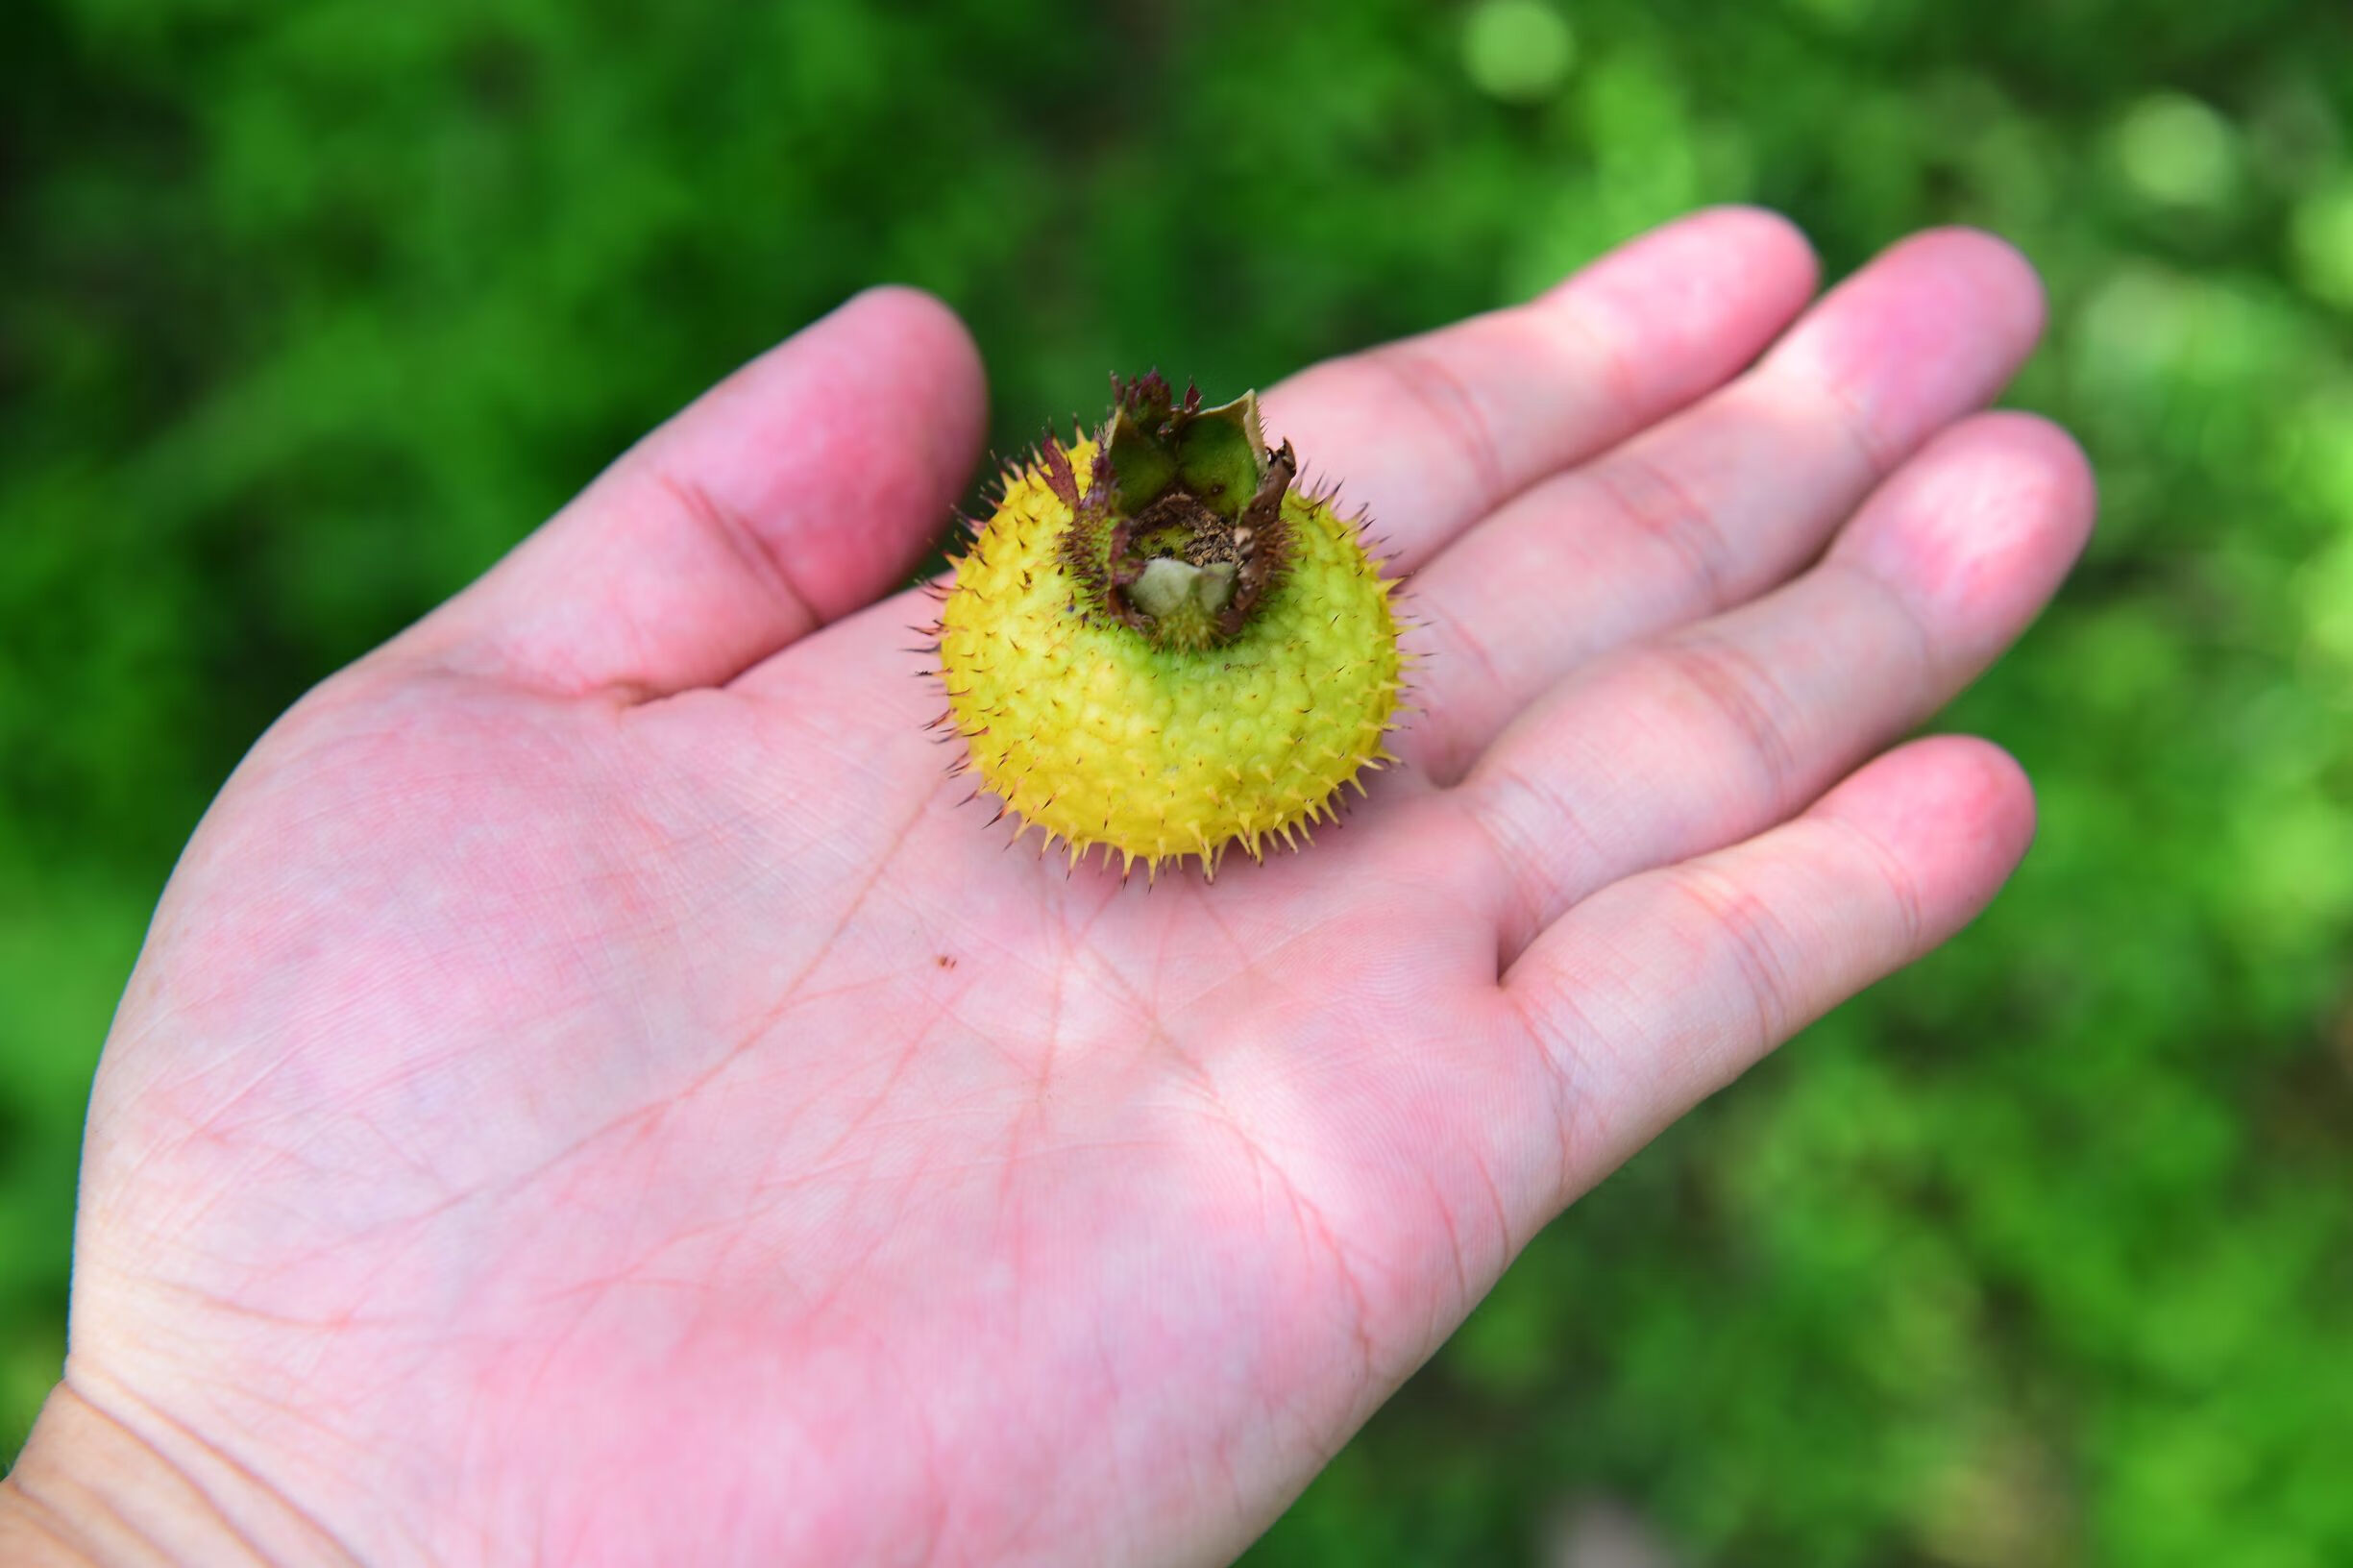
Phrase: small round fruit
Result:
[1182,652]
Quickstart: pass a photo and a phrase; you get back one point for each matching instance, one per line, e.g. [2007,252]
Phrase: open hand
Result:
[592,1092]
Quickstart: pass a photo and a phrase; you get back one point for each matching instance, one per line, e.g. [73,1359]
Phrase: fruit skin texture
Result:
[1097,736]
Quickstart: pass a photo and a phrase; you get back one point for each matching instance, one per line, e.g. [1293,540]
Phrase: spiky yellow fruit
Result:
[1180,652]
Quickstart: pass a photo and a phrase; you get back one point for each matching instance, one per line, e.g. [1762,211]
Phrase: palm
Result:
[593,1088]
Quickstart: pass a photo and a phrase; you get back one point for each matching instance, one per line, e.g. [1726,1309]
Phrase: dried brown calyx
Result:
[1178,533]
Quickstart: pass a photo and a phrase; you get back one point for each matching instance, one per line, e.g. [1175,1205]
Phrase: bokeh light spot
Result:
[2322,236]
[1519,51]
[2176,151]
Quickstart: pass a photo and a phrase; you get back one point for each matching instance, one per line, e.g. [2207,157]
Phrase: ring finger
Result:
[1711,734]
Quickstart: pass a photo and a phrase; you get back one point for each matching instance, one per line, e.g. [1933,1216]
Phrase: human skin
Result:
[592,1094]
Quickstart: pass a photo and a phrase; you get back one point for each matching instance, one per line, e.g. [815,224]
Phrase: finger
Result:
[1726,499]
[792,493]
[1431,432]
[1678,747]
[1651,995]
[1426,430]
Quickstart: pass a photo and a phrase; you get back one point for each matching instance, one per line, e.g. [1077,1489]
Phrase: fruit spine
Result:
[1179,652]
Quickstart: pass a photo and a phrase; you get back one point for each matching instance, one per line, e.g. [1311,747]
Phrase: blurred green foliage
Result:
[2039,1255]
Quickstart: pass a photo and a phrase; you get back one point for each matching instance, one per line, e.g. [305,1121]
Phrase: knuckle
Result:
[1739,693]
[1757,942]
[1650,498]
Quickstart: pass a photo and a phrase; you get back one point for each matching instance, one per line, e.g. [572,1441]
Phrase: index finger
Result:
[1430,434]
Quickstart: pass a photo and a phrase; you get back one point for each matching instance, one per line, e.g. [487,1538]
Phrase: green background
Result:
[2040,1254]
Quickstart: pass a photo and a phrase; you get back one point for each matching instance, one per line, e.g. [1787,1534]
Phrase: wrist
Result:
[90,1491]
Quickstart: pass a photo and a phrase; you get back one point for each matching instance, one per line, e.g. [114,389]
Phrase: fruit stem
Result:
[1179,533]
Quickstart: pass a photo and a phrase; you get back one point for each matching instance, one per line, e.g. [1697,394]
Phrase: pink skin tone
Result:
[592,1094]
